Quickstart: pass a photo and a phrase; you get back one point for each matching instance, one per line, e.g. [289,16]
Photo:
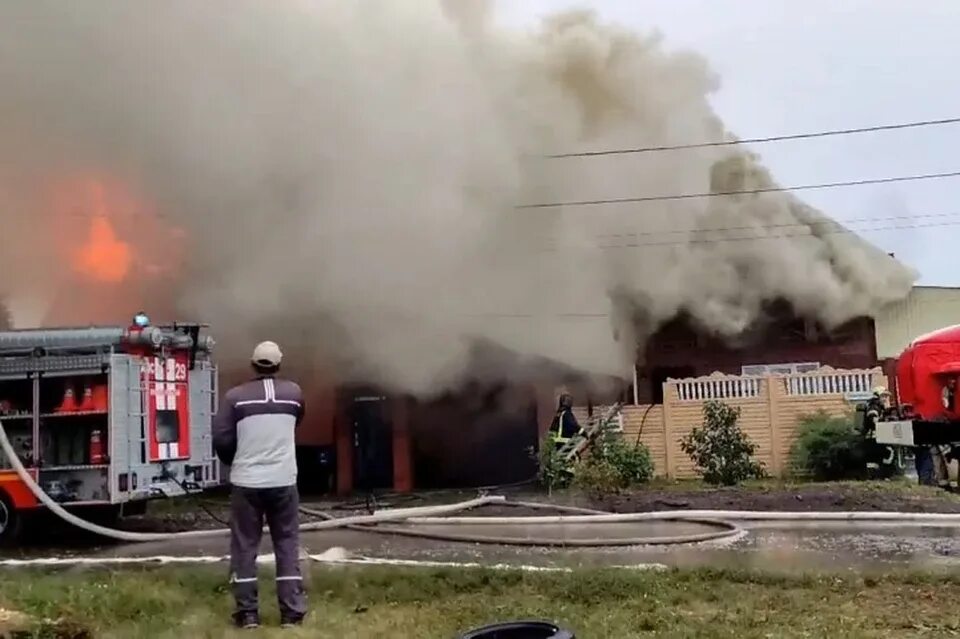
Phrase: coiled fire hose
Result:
[364,522]
[724,529]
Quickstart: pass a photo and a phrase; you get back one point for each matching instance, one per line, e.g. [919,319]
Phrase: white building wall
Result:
[926,309]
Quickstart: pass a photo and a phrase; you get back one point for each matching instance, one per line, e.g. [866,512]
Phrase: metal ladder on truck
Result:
[591,430]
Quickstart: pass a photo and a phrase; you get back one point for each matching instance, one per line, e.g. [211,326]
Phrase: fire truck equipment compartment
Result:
[91,410]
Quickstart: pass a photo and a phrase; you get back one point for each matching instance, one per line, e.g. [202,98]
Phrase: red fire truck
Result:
[107,417]
[927,410]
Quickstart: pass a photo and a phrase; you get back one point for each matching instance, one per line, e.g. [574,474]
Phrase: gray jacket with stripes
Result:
[253,432]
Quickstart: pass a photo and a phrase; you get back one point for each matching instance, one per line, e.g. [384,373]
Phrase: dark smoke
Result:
[346,180]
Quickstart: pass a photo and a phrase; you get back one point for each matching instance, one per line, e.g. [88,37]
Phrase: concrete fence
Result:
[771,408]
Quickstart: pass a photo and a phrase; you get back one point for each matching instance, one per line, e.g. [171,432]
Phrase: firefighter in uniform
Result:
[931,461]
[881,460]
[254,435]
[565,425]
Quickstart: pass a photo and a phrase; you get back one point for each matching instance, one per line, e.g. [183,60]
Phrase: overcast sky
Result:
[794,66]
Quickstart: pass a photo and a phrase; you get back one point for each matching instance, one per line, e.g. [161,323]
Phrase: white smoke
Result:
[347,174]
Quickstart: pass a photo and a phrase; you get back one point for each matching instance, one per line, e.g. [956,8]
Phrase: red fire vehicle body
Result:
[106,416]
[927,375]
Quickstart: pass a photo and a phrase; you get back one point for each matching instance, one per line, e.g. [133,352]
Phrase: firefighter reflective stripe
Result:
[889,458]
[291,578]
[940,466]
[558,434]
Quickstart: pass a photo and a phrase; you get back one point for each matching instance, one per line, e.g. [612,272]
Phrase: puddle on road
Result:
[807,549]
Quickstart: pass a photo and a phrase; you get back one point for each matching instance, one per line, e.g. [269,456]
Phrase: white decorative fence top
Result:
[825,381]
[829,382]
[718,387]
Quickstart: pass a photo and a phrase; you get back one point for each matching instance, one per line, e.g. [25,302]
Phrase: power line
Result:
[840,231]
[777,236]
[606,315]
[754,227]
[764,140]
[772,189]
[801,225]
[806,228]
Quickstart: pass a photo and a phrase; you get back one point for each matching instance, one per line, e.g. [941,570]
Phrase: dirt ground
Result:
[853,496]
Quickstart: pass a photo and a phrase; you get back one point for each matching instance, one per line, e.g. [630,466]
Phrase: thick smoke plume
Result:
[344,179]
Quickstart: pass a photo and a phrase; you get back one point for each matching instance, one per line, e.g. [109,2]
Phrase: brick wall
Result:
[771,410]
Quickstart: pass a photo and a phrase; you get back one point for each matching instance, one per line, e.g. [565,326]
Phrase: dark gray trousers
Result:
[279,506]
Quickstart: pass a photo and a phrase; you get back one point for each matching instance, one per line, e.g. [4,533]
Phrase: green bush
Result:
[613,465]
[598,478]
[633,463]
[609,465]
[720,450]
[829,448]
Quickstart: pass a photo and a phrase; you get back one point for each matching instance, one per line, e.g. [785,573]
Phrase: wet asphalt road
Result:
[791,548]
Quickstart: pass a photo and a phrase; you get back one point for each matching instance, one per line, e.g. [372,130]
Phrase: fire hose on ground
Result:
[122,535]
[722,521]
[725,529]
[364,522]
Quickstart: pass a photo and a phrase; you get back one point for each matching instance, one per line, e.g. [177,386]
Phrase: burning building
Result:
[370,189]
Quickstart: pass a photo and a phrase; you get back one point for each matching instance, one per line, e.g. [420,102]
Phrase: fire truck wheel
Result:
[10,521]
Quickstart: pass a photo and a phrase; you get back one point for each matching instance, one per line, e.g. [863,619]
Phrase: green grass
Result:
[391,602]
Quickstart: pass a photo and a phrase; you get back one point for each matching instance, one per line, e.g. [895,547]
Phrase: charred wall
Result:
[682,349]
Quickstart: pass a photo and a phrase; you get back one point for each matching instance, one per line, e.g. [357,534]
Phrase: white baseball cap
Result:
[267,354]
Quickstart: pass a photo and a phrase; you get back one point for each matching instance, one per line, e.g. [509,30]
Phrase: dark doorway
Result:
[317,466]
[659,375]
[479,436]
[372,442]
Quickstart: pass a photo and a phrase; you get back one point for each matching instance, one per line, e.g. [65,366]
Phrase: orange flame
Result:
[103,257]
[108,250]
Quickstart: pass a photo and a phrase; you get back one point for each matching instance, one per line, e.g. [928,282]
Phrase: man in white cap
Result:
[254,435]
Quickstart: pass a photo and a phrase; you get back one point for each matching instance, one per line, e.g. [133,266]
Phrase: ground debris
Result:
[17,625]
[12,621]
[941,630]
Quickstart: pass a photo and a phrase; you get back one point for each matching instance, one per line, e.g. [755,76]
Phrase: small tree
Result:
[553,470]
[720,450]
